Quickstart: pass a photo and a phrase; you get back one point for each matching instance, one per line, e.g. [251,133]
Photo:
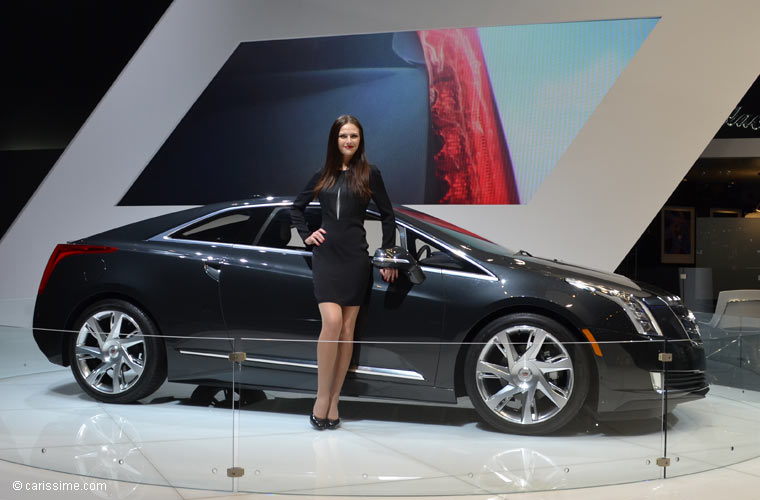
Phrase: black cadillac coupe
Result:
[530,341]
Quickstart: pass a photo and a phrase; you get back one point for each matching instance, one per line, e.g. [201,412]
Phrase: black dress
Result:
[341,266]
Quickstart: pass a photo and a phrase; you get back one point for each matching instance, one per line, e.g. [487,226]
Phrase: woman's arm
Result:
[387,218]
[298,211]
[383,202]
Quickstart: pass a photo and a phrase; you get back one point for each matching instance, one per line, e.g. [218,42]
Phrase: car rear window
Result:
[237,226]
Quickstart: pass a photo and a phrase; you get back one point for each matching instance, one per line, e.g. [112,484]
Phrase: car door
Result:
[398,330]
[188,262]
[460,277]
[268,302]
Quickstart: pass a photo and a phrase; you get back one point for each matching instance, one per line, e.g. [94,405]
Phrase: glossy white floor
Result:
[170,448]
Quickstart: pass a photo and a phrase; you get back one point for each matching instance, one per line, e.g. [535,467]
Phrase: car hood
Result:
[561,270]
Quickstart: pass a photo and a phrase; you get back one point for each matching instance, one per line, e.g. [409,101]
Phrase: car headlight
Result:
[636,310]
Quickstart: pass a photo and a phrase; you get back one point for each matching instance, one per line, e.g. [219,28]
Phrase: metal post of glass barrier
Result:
[666,357]
[235,472]
[741,363]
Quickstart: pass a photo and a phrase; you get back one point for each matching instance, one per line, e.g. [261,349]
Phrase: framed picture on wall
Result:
[677,235]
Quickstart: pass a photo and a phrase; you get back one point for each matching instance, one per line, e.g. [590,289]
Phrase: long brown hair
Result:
[358,168]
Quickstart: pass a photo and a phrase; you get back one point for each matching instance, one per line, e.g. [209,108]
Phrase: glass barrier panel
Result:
[723,429]
[60,419]
[394,439]
[498,414]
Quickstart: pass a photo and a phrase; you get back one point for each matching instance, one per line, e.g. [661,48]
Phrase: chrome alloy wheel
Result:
[524,375]
[110,351]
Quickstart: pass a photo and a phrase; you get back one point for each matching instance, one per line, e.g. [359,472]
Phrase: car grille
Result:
[685,381]
[673,318]
[682,313]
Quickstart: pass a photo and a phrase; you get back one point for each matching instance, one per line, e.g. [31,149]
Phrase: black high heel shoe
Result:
[333,424]
[318,423]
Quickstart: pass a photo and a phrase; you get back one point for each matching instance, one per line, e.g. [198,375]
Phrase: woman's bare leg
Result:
[327,354]
[343,358]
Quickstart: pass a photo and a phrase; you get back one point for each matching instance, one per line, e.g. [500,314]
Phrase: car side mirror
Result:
[399,258]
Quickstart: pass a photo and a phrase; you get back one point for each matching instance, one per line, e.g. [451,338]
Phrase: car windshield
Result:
[468,240]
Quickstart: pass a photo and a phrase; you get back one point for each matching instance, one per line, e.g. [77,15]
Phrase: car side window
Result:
[279,233]
[431,254]
[237,226]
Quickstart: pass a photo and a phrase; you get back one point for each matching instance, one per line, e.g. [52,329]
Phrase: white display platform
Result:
[382,448]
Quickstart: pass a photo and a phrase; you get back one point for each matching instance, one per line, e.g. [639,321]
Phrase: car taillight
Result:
[62,251]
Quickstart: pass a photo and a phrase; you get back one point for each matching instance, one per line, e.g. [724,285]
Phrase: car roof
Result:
[147,228]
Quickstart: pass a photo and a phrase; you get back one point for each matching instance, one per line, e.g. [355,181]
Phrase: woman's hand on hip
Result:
[316,238]
[389,274]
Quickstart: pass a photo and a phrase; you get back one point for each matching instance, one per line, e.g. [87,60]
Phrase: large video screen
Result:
[454,116]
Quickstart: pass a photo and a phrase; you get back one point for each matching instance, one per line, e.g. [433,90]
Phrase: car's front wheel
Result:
[526,374]
[116,355]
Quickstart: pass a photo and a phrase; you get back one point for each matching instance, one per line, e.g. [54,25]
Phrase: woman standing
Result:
[340,263]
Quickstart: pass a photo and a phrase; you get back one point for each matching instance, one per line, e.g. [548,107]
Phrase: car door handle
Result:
[213,269]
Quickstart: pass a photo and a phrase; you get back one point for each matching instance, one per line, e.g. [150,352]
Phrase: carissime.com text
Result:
[57,486]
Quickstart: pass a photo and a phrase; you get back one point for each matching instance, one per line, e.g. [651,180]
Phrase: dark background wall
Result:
[59,59]
[712,183]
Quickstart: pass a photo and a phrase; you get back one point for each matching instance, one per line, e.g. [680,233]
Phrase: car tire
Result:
[116,354]
[527,374]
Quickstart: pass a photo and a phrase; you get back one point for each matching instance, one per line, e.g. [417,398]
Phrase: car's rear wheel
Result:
[526,374]
[116,356]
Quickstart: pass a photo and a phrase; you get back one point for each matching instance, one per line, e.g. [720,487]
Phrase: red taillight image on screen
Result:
[473,159]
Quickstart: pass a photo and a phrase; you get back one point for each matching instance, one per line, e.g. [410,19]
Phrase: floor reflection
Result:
[109,460]
[225,397]
[183,437]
